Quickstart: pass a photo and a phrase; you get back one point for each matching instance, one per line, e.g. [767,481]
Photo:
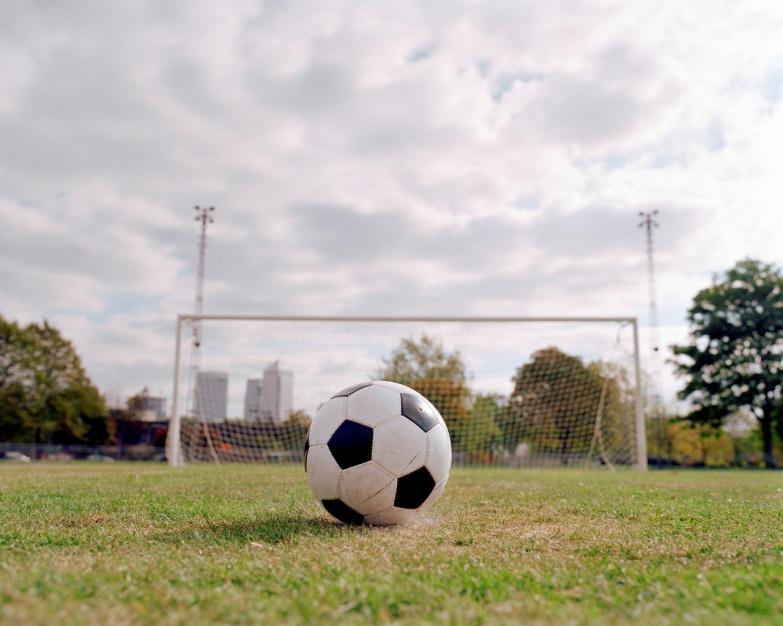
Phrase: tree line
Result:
[731,365]
[560,406]
[46,396]
[45,393]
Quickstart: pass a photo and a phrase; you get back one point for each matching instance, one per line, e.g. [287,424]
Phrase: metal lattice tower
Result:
[649,223]
[205,216]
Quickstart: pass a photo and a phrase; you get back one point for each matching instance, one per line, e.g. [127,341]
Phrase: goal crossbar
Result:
[391,318]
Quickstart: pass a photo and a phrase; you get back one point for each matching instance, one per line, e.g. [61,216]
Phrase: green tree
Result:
[45,394]
[733,359]
[718,447]
[485,432]
[556,402]
[440,376]
[616,441]
[14,415]
[15,379]
[700,444]
[425,358]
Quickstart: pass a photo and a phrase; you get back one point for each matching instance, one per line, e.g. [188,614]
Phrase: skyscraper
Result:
[277,391]
[212,395]
[253,395]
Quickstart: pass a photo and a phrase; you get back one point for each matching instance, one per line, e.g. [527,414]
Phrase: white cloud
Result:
[456,158]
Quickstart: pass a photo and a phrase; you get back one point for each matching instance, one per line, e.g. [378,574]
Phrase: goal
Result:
[514,391]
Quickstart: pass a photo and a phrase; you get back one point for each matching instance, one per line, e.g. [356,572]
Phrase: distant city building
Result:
[212,396]
[144,407]
[277,393]
[253,395]
[153,408]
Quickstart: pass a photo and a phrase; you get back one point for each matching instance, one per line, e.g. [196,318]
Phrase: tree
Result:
[15,379]
[424,365]
[617,404]
[556,402]
[699,444]
[485,433]
[45,394]
[733,360]
[426,358]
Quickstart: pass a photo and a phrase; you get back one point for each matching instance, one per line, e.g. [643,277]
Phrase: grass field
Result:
[122,543]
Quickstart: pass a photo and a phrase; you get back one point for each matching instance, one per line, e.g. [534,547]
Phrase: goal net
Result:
[513,391]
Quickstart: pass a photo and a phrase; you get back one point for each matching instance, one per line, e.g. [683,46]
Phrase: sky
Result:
[440,158]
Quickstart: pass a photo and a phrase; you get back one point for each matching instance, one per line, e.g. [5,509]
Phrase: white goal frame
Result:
[173,442]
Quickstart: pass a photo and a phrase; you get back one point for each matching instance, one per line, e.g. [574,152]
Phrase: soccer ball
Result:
[377,453]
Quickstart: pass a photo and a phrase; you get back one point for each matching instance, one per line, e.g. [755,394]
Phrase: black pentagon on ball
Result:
[343,512]
[418,411]
[349,390]
[306,448]
[351,444]
[413,489]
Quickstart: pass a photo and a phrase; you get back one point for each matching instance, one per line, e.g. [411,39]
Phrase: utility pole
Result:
[649,223]
[203,215]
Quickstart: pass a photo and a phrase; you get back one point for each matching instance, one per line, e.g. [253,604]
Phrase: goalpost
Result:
[514,391]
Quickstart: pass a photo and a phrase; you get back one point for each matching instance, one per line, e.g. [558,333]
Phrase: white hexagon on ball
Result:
[367,488]
[373,405]
[399,445]
[323,473]
[327,419]
[377,453]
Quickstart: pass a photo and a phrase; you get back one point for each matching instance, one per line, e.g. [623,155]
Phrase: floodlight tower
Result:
[205,216]
[649,223]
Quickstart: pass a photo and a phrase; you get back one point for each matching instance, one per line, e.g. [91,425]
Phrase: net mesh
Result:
[518,393]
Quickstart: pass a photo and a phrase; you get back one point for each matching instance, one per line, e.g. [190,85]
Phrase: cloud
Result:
[430,159]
